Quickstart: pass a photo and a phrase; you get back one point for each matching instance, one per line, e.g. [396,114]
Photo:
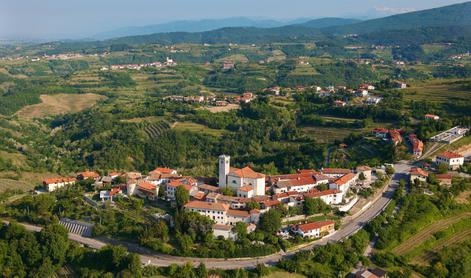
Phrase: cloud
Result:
[391,10]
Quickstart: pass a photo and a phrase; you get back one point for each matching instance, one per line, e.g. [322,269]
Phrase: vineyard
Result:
[427,233]
[154,130]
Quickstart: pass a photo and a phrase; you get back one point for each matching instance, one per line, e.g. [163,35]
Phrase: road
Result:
[346,230]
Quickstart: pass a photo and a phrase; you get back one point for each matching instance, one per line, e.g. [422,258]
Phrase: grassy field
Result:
[216,109]
[427,233]
[59,104]
[14,184]
[437,90]
[193,127]
[283,274]
[328,134]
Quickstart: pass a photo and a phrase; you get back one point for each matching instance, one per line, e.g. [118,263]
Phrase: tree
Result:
[54,241]
[314,205]
[182,196]
[270,222]
[240,229]
[253,205]
[201,271]
[389,170]
[362,176]
[442,168]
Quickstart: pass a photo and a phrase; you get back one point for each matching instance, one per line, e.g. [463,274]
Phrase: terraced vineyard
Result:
[154,130]
[427,233]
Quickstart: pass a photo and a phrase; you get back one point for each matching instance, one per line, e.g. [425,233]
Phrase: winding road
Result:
[348,228]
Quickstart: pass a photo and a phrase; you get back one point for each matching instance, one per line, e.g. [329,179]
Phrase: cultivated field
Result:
[216,109]
[193,127]
[59,104]
[438,90]
[427,233]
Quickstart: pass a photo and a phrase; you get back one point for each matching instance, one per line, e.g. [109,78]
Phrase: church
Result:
[236,178]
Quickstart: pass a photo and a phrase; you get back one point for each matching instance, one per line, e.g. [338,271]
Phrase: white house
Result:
[314,229]
[330,196]
[236,178]
[335,172]
[417,174]
[53,184]
[451,159]
[245,192]
[216,211]
[343,183]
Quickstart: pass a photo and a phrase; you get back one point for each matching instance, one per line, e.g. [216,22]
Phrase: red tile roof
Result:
[88,174]
[335,171]
[271,203]
[58,180]
[444,176]
[297,182]
[246,172]
[245,188]
[344,179]
[450,155]
[418,172]
[314,225]
[144,185]
[207,205]
[238,213]
[322,193]
[162,170]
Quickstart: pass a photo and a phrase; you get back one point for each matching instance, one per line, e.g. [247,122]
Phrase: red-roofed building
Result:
[186,182]
[380,132]
[444,179]
[417,145]
[431,117]
[53,184]
[451,159]
[395,137]
[418,174]
[88,175]
[314,229]
[330,196]
[335,172]
[344,182]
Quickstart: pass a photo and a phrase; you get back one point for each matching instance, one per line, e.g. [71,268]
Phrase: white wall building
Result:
[236,178]
[451,159]
[55,183]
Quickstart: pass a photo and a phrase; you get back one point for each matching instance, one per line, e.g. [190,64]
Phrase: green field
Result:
[197,128]
[438,91]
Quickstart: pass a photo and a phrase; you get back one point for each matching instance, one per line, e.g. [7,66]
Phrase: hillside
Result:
[453,15]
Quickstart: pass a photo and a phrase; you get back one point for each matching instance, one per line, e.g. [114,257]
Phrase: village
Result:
[244,195]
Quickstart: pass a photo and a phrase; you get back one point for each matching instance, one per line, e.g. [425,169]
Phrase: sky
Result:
[61,19]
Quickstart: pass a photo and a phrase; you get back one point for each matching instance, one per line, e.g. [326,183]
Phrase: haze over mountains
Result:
[441,20]
[195,26]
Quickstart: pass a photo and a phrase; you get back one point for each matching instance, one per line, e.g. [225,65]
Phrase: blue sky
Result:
[76,18]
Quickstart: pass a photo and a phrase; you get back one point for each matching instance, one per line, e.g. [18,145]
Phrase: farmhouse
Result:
[418,174]
[53,184]
[335,172]
[417,145]
[314,229]
[451,159]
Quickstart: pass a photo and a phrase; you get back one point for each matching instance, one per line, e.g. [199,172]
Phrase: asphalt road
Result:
[346,230]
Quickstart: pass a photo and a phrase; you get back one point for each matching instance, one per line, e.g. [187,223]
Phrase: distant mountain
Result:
[196,26]
[329,22]
[453,15]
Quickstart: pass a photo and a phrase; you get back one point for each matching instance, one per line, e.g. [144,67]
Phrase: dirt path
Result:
[427,232]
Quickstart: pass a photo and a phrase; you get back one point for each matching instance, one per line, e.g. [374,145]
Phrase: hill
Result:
[453,15]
